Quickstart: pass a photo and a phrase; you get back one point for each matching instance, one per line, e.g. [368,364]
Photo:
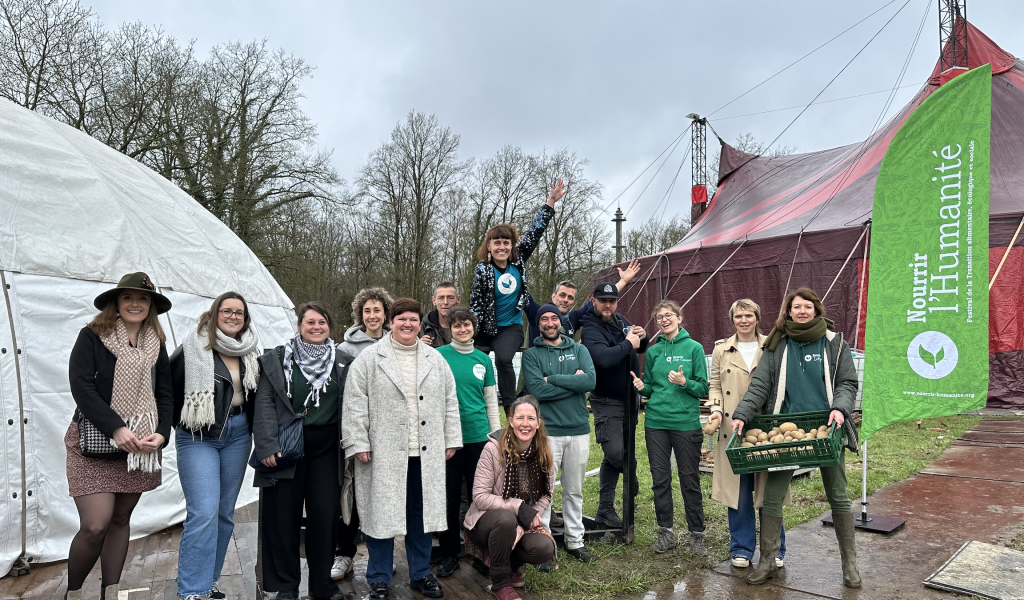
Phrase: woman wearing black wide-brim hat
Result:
[121,382]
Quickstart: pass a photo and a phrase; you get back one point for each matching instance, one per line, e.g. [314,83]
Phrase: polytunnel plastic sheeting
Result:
[10,448]
[48,313]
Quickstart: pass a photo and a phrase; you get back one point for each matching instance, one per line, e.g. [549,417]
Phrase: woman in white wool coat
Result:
[401,422]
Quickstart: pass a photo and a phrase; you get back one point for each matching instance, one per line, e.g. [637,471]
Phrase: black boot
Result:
[771,529]
[847,548]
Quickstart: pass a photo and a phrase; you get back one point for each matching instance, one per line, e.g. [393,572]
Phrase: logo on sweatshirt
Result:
[677,359]
[562,357]
[479,371]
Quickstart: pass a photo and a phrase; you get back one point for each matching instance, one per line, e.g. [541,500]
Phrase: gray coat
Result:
[376,419]
[273,408]
[356,340]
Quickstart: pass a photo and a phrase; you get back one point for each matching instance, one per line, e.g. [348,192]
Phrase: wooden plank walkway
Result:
[151,571]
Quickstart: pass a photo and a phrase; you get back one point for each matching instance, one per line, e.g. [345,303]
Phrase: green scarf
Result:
[800,332]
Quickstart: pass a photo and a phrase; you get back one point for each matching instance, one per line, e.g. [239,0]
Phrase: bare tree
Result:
[35,39]
[406,180]
[655,236]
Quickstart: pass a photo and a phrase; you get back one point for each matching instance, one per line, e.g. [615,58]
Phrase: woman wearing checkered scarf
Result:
[121,381]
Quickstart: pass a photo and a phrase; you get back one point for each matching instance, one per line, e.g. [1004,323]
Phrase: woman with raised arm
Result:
[305,377]
[215,373]
[500,291]
[511,490]
[806,366]
[732,362]
[121,382]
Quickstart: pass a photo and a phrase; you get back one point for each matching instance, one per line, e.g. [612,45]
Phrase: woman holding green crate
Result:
[806,366]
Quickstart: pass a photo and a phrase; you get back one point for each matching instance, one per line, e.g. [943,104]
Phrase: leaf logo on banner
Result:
[928,357]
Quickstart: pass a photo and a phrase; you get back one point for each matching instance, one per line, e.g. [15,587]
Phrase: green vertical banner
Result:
[926,337]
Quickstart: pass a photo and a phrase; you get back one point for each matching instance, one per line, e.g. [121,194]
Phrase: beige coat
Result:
[729,379]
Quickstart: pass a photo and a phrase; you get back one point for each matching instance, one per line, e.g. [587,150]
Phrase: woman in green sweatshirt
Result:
[675,378]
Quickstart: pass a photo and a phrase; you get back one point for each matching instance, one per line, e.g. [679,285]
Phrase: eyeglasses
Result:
[664,317]
[227,313]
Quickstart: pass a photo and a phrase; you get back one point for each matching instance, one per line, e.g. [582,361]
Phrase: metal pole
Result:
[629,458]
[618,220]
[864,484]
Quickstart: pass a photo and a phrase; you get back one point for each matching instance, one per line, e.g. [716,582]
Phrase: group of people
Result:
[380,433]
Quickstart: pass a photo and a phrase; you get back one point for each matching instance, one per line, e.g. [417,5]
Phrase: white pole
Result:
[864,485]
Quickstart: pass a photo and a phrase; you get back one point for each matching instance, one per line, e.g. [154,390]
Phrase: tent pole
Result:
[20,566]
[864,484]
[860,287]
[785,290]
[846,262]
[1005,254]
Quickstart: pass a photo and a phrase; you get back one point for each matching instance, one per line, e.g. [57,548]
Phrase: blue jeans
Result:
[211,473]
[742,527]
[417,543]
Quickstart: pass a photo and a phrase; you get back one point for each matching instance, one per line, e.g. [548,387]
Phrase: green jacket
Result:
[670,406]
[767,389]
[563,397]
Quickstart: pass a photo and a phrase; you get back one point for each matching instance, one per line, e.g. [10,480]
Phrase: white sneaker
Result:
[342,566]
[778,562]
[740,562]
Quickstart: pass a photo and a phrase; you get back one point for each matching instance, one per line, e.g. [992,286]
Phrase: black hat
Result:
[606,290]
[548,308]
[134,281]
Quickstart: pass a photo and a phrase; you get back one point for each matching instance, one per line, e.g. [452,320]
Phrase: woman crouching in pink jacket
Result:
[511,491]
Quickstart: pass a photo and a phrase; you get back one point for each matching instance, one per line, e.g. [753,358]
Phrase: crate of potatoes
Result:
[785,442]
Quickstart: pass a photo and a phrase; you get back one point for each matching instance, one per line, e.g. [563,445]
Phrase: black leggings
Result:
[103,534]
[505,344]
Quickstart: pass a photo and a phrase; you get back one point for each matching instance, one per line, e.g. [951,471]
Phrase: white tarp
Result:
[74,217]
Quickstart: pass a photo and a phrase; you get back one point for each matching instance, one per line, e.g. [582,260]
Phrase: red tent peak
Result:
[980,50]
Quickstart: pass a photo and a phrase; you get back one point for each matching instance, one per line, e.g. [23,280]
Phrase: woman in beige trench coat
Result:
[732,362]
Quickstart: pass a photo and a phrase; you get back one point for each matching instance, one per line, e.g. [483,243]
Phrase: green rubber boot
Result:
[771,530]
[847,549]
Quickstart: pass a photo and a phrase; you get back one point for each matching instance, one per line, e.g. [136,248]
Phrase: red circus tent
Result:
[801,220]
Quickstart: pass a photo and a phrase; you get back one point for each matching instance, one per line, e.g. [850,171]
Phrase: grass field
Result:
[894,453]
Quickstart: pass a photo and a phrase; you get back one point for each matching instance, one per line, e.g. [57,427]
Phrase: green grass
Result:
[894,453]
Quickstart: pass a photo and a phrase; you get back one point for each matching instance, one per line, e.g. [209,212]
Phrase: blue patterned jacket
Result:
[481,299]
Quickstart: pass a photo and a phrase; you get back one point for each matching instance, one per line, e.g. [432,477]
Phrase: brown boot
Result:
[847,549]
[771,529]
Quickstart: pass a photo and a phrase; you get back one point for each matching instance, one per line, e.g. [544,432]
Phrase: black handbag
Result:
[289,437]
[94,443]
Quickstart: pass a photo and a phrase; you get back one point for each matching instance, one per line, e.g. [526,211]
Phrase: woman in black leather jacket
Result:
[215,374]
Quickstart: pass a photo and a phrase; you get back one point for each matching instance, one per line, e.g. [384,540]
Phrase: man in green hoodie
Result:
[559,372]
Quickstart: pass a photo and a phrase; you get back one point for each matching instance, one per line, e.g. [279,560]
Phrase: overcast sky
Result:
[610,80]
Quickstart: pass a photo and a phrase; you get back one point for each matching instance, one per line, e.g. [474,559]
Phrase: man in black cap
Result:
[613,344]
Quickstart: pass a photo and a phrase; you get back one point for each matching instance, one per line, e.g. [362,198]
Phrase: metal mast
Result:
[699,192]
[952,37]
[618,220]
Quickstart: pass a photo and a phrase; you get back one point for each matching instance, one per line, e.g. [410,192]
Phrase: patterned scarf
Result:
[529,460]
[198,411]
[315,361]
[132,398]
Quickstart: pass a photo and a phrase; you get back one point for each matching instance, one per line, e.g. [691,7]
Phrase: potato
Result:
[774,432]
[746,445]
[798,435]
[787,426]
[753,432]
[823,428]
[763,437]
[773,451]
[801,431]
[778,439]
[750,438]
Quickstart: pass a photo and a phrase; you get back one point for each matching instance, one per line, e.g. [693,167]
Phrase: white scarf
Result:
[198,411]
[132,395]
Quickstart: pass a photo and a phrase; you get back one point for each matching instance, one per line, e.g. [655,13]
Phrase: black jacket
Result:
[91,373]
[223,393]
[431,325]
[273,408]
[611,351]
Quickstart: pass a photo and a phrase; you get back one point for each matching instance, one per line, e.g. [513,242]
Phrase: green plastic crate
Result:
[822,452]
